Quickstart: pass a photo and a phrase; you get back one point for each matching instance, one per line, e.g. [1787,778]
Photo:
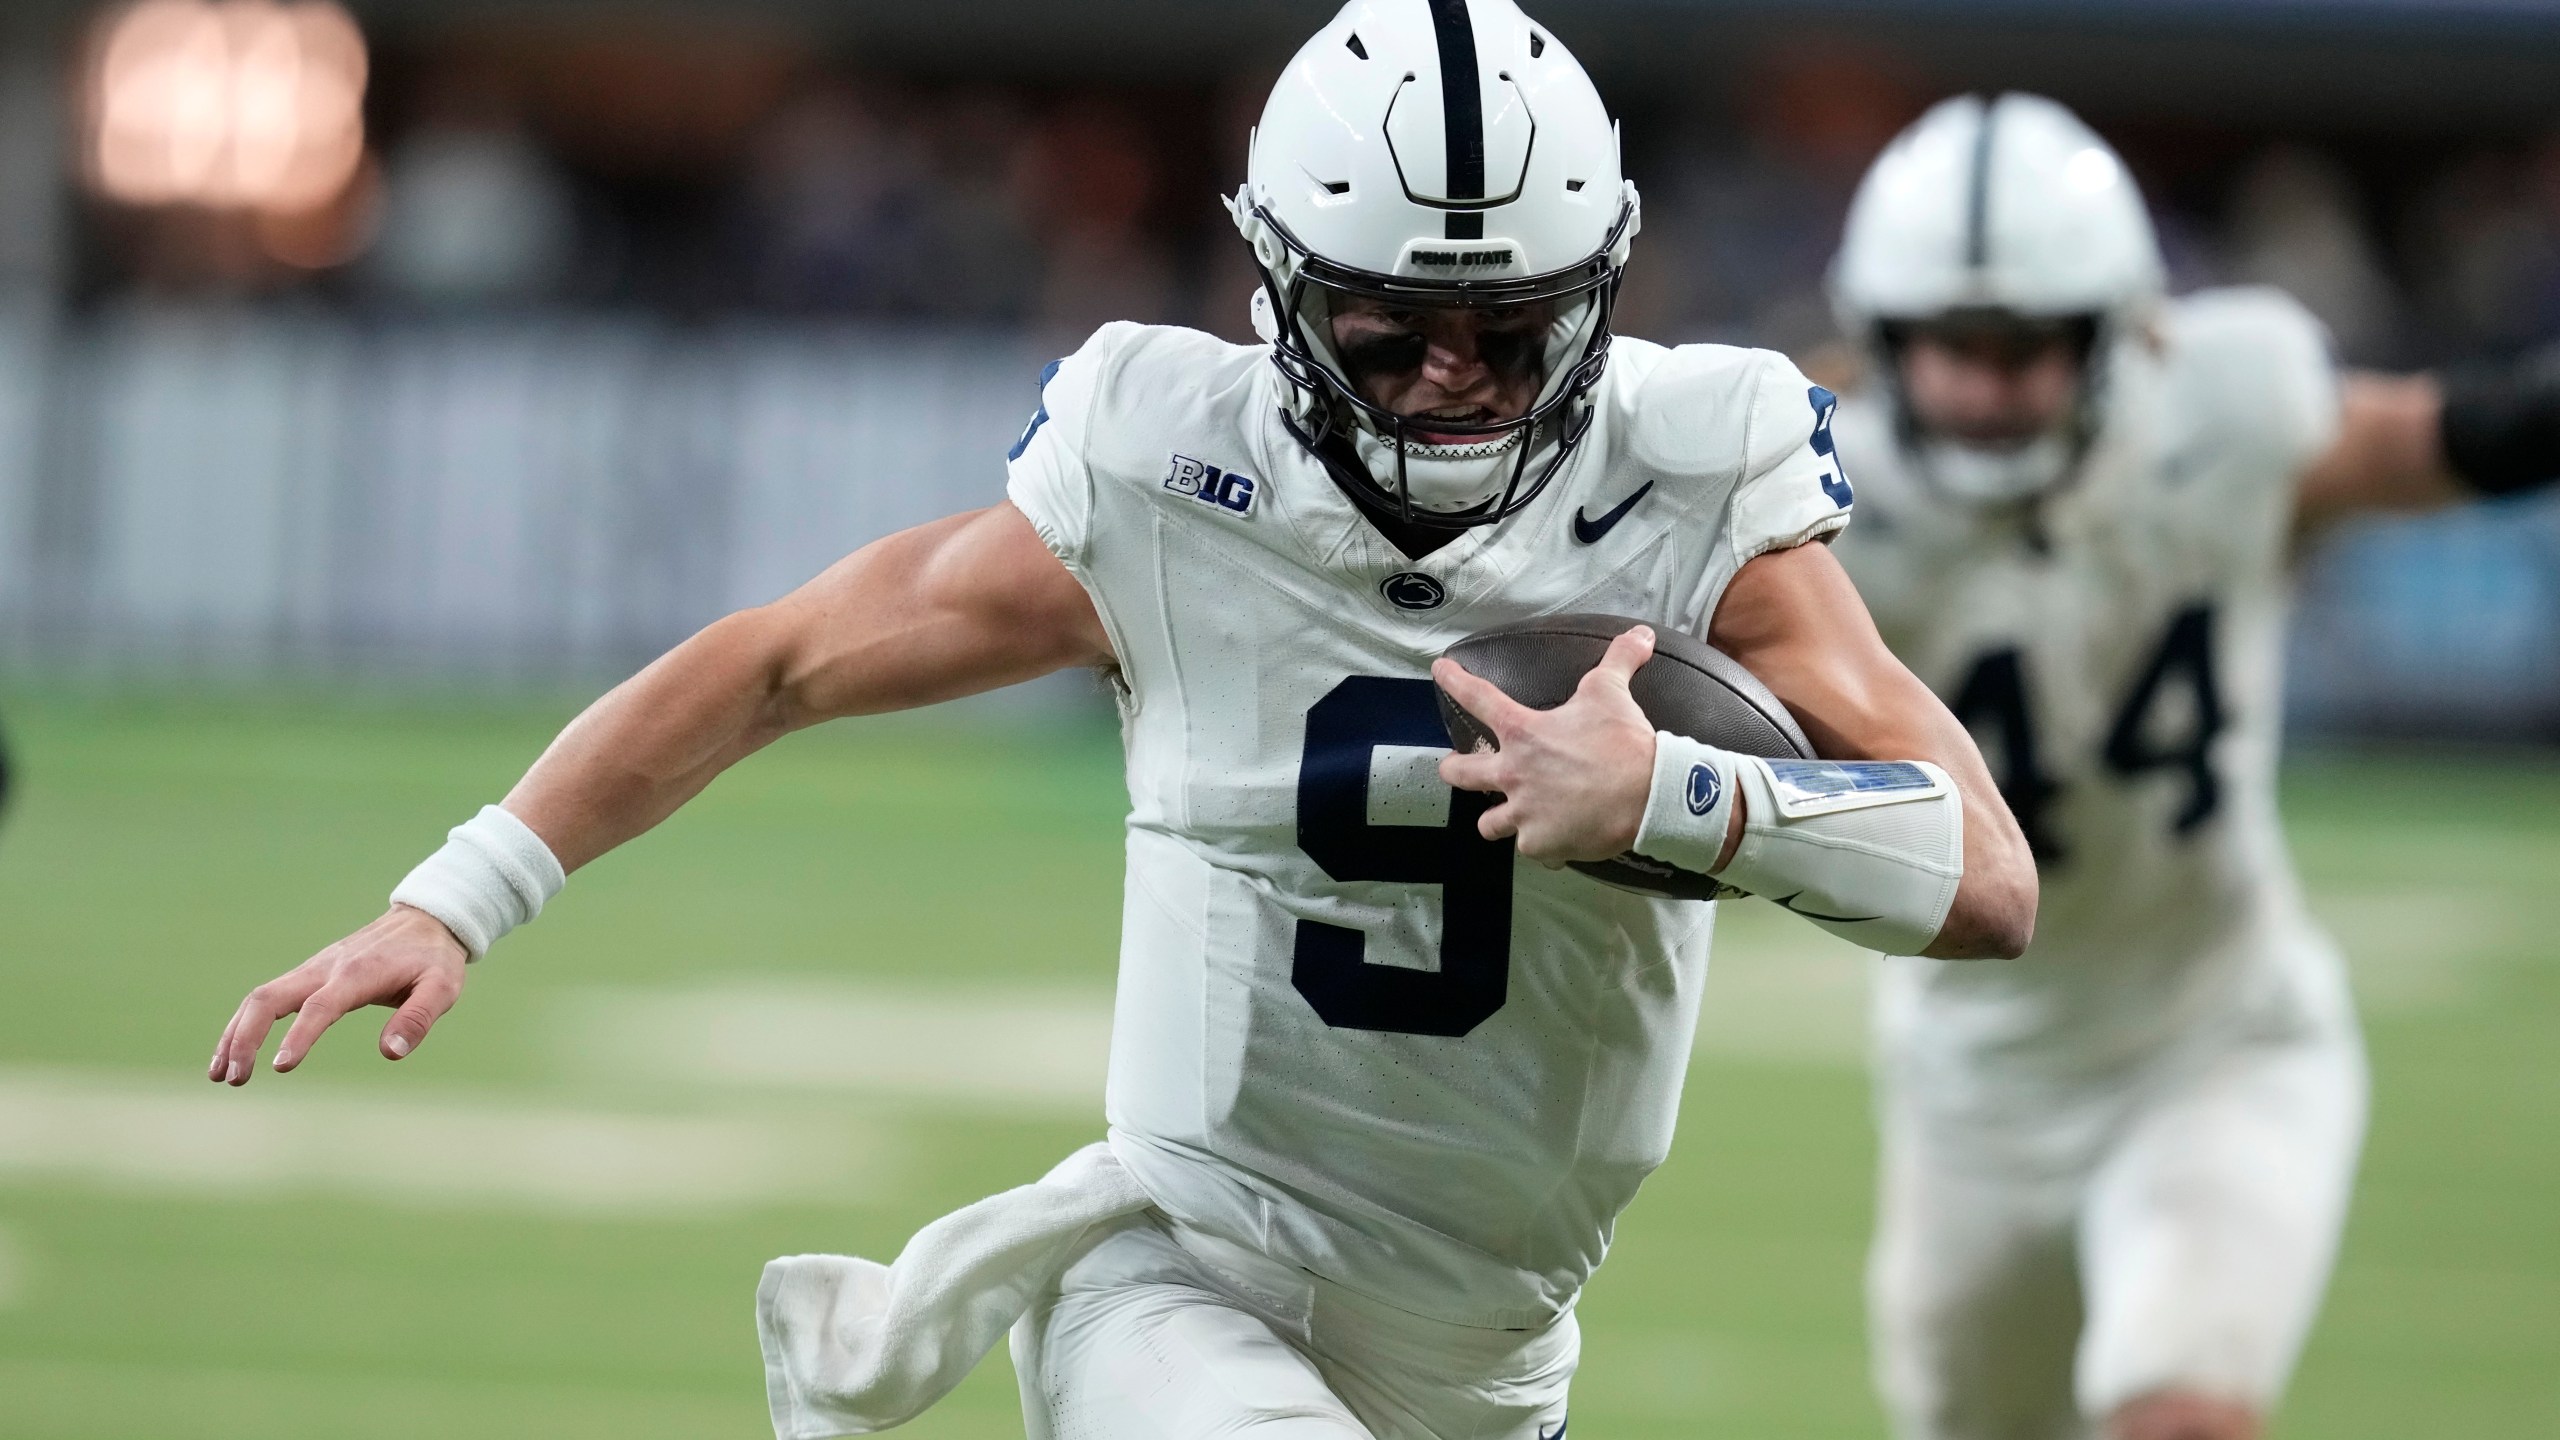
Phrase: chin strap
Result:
[1342,465]
[1337,452]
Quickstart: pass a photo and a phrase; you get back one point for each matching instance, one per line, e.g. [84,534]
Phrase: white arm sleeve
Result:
[1869,850]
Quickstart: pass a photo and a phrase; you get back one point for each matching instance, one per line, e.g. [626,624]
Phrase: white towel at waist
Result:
[852,1347]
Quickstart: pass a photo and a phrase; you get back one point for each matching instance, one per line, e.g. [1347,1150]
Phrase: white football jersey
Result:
[2119,658]
[1351,1033]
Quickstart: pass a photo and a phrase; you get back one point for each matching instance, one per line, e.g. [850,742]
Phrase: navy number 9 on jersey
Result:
[1329,967]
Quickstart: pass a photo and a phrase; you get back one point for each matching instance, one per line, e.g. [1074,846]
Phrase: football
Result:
[1689,688]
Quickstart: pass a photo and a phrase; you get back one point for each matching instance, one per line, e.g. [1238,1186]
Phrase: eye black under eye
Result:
[1397,352]
[1513,354]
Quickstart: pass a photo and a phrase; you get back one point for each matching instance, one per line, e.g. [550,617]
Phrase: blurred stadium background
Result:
[377,382]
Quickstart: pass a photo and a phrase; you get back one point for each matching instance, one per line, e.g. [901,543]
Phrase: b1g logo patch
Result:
[1210,485]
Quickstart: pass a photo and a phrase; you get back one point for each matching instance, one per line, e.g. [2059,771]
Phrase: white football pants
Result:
[1154,1338]
[2186,1247]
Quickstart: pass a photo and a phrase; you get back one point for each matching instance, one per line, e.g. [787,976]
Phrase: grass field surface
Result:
[865,980]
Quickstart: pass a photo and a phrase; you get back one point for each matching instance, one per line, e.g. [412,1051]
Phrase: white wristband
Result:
[1691,804]
[492,875]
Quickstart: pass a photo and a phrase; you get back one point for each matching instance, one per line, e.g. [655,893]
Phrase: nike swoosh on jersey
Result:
[1589,531]
[1789,904]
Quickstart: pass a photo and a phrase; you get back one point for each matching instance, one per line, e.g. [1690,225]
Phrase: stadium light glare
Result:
[231,104]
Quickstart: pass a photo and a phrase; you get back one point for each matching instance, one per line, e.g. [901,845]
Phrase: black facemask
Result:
[1327,376]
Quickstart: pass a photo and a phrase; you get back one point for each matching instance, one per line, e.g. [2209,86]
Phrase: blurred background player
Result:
[1378,1091]
[2115,1172]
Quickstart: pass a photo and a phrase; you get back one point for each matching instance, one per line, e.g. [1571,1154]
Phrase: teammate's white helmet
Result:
[1436,152]
[2009,207]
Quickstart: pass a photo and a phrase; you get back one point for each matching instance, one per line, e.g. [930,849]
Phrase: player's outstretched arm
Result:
[2421,442]
[959,606]
[2388,454]
[962,605]
[1793,618]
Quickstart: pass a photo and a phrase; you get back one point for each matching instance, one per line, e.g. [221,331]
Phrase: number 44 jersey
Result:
[1350,1032]
[2117,652]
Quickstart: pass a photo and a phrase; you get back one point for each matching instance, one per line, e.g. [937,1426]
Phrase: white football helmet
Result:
[1434,153]
[2006,210]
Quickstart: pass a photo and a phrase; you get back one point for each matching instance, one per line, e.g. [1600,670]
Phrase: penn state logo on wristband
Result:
[1704,789]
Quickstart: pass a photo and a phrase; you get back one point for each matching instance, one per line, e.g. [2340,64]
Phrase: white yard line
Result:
[128,1132]
[1776,991]
[1007,1049]
[1771,994]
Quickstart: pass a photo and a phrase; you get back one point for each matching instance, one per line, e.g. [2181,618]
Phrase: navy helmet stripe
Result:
[1461,97]
[1977,231]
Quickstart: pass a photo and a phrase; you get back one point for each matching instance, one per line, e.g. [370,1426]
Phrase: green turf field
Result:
[549,1222]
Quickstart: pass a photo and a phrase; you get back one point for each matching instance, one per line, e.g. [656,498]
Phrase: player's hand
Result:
[1574,779]
[407,958]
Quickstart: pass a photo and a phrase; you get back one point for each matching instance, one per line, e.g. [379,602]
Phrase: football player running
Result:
[2114,1174]
[1377,1092]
